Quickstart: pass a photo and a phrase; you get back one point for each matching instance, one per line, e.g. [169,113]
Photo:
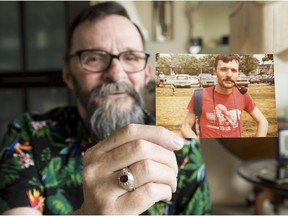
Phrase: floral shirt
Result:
[41,165]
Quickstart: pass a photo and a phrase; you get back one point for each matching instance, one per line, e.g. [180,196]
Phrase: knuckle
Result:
[146,167]
[130,129]
[86,173]
[91,154]
[158,192]
[139,147]
[150,189]
[161,130]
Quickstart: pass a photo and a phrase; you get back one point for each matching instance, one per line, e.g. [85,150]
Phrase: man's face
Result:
[227,73]
[113,93]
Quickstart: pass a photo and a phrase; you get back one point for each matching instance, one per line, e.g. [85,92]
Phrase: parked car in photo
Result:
[206,80]
[254,79]
[182,80]
[268,79]
[169,80]
[242,80]
[271,80]
[194,81]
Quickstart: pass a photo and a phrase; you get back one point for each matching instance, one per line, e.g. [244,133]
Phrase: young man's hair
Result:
[226,58]
[96,13]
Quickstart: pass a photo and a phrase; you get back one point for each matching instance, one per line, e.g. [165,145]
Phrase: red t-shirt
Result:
[222,114]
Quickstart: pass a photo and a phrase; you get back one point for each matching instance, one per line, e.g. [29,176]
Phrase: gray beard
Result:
[104,116]
[104,122]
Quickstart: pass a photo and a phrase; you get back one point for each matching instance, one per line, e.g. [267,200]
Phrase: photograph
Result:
[216,96]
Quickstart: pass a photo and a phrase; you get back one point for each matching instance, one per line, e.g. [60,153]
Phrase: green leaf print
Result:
[50,173]
[9,172]
[158,208]
[185,150]
[71,175]
[39,133]
[206,198]
[58,204]
[36,183]
[181,181]
[197,204]
[189,166]
[196,159]
[45,154]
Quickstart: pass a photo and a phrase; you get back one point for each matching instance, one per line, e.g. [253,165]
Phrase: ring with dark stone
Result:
[126,179]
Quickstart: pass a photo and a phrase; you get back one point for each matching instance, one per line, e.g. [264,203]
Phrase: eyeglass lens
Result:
[97,61]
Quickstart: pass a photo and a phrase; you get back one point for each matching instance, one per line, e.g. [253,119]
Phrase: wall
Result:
[281,87]
[205,18]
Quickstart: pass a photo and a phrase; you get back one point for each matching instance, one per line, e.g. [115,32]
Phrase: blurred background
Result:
[32,45]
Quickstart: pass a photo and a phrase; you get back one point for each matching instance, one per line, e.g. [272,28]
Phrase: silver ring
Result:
[126,179]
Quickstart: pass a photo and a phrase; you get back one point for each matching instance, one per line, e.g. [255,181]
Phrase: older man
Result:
[101,158]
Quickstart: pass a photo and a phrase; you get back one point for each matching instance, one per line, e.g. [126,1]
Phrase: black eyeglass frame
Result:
[79,53]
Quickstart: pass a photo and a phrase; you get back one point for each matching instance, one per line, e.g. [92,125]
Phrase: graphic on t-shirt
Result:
[226,119]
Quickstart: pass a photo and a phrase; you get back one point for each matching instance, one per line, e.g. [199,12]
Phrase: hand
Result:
[148,152]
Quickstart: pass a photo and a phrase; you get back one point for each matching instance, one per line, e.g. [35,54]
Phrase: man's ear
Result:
[148,73]
[214,71]
[66,76]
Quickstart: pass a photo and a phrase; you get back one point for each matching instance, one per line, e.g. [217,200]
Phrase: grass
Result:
[171,110]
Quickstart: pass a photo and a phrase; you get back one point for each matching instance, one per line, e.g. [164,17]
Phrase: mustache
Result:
[228,80]
[113,88]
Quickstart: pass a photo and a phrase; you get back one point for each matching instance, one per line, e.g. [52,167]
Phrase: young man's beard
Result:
[104,115]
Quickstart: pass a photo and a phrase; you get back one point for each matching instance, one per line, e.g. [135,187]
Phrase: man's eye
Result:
[93,58]
[130,57]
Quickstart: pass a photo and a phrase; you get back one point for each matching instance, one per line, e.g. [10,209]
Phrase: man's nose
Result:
[115,72]
[229,73]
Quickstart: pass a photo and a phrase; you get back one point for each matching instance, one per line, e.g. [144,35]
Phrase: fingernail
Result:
[178,141]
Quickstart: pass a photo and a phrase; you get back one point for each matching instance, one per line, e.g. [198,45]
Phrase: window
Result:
[32,45]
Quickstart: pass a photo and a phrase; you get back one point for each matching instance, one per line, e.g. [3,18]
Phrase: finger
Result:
[136,151]
[150,171]
[154,134]
[100,187]
[147,195]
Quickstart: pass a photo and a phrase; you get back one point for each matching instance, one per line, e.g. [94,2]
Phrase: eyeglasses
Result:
[95,61]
